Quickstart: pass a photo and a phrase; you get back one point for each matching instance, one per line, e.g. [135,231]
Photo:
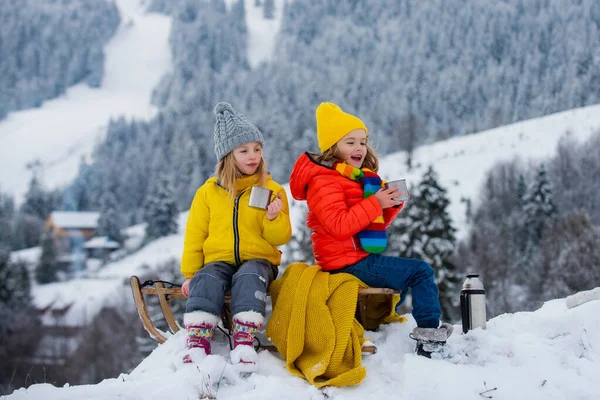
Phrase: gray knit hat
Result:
[232,129]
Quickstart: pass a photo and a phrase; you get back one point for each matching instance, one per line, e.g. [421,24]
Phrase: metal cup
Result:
[401,189]
[260,197]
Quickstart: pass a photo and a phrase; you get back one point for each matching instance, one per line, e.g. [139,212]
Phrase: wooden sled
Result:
[164,294]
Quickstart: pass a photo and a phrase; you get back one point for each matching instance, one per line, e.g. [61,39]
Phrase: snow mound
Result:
[551,353]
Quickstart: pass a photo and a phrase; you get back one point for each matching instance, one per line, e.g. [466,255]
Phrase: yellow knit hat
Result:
[333,124]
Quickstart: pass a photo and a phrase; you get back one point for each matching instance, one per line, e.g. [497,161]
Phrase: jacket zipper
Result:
[236,231]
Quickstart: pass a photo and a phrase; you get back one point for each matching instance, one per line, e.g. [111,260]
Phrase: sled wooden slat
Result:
[143,311]
[166,309]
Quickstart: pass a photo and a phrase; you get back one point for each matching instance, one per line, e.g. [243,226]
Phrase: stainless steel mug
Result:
[402,189]
[472,303]
[260,197]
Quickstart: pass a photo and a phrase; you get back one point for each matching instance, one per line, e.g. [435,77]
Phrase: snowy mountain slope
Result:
[552,353]
[262,33]
[64,129]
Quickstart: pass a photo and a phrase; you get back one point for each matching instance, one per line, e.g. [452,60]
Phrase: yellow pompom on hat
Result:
[333,124]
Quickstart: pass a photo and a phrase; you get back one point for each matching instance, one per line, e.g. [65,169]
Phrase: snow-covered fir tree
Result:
[109,222]
[36,200]
[78,196]
[47,269]
[425,231]
[538,205]
[19,325]
[14,280]
[160,210]
[538,213]
[269,9]
[7,214]
[521,190]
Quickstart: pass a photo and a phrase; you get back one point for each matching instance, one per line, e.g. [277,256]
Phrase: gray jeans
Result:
[247,283]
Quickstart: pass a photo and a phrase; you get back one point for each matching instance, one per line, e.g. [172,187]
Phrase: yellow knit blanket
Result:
[313,325]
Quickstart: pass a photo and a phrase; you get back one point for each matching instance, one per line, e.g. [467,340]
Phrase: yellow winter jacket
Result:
[214,232]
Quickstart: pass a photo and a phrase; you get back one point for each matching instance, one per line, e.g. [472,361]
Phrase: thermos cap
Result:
[473,282]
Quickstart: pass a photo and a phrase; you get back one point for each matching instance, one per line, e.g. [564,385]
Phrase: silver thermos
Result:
[472,303]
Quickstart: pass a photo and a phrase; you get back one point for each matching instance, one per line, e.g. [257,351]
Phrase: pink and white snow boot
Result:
[200,327]
[245,326]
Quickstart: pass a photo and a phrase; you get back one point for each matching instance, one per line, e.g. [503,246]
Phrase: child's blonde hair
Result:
[333,154]
[228,173]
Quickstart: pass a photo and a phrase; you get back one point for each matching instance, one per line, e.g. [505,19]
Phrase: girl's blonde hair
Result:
[333,154]
[228,173]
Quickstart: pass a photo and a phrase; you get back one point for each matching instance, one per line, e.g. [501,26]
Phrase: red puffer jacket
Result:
[336,212]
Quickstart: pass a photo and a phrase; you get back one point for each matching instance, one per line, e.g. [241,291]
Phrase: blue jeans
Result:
[401,274]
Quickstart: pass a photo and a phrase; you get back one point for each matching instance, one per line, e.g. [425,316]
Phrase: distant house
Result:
[71,229]
[69,223]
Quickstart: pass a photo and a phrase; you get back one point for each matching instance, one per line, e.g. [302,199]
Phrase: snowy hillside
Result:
[64,129]
[553,353]
[262,33]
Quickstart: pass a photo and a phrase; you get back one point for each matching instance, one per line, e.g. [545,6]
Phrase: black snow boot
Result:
[431,340]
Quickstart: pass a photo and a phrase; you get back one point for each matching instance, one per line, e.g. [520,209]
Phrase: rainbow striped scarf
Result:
[373,238]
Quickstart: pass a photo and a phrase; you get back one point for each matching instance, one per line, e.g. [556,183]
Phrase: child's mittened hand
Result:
[185,288]
[385,197]
[274,207]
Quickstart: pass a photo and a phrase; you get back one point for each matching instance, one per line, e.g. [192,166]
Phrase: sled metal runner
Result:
[164,294]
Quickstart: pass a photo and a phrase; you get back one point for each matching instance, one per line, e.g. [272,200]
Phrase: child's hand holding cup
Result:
[402,193]
[263,198]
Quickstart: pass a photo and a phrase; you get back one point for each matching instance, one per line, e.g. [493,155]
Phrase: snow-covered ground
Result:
[66,128]
[552,353]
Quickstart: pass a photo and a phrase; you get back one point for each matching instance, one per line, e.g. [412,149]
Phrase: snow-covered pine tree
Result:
[538,205]
[36,200]
[47,268]
[160,209]
[538,213]
[19,325]
[109,222]
[238,15]
[78,196]
[521,190]
[7,213]
[269,9]
[426,232]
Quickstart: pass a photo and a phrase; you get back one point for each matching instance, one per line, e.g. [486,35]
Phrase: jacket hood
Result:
[306,168]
